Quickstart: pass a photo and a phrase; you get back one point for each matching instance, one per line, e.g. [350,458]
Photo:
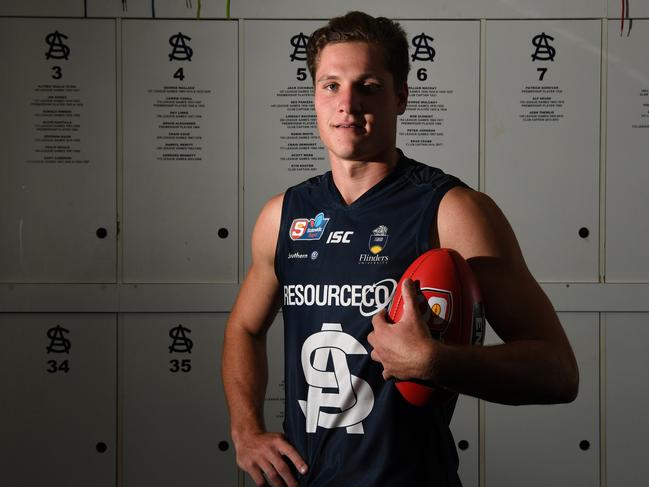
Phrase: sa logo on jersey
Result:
[308,228]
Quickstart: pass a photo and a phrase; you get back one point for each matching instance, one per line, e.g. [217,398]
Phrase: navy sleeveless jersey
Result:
[337,266]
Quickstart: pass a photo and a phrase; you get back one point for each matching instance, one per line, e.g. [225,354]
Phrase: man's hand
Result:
[268,455]
[405,349]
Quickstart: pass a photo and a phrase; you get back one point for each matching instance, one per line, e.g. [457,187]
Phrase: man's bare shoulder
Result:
[264,235]
[473,224]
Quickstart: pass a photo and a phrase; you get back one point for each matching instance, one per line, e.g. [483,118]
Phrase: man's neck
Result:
[355,178]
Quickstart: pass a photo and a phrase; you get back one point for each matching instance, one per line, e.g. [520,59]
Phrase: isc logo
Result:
[339,237]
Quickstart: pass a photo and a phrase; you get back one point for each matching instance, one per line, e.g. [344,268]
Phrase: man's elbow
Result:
[568,386]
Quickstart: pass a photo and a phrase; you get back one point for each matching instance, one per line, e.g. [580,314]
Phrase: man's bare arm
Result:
[534,365]
[245,365]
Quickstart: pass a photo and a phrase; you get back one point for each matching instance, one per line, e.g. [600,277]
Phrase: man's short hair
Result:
[360,27]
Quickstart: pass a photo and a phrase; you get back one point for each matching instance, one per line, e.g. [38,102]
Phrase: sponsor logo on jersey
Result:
[348,399]
[378,241]
[368,298]
[308,228]
[340,237]
[297,255]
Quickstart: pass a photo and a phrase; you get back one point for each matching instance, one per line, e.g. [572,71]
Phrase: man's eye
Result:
[371,87]
[330,87]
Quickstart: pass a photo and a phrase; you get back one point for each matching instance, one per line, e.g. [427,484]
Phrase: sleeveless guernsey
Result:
[338,265]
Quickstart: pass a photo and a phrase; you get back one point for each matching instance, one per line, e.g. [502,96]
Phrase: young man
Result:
[360,226]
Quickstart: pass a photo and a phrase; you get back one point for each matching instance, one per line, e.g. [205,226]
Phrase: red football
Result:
[451,305]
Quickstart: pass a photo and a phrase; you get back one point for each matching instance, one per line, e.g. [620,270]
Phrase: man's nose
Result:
[349,100]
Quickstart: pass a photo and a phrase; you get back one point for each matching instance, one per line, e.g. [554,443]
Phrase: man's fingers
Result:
[409,291]
[292,454]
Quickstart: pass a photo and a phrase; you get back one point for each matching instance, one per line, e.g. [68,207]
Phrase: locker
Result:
[57,168]
[632,10]
[627,146]
[441,124]
[125,9]
[550,445]
[191,9]
[542,141]
[444,9]
[274,404]
[42,8]
[627,398]
[174,425]
[180,134]
[280,135]
[465,429]
[58,413]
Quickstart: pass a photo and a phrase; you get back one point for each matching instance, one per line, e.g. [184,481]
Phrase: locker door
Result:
[174,425]
[441,124]
[180,151]
[550,445]
[465,429]
[627,398]
[57,412]
[542,141]
[280,135]
[627,171]
[58,163]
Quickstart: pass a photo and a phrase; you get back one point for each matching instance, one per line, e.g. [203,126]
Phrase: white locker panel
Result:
[120,8]
[57,168]
[633,9]
[465,429]
[43,8]
[542,141]
[627,146]
[57,413]
[274,404]
[554,445]
[174,425]
[282,145]
[441,124]
[180,151]
[440,9]
[194,9]
[627,399]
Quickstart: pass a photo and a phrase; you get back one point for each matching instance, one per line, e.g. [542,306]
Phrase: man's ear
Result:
[402,95]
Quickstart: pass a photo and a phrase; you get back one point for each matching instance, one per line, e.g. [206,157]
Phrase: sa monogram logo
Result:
[354,398]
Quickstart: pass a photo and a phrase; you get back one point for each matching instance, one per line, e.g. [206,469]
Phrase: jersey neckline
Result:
[370,194]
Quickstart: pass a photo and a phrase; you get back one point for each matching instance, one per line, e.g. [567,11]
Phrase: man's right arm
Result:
[244,362]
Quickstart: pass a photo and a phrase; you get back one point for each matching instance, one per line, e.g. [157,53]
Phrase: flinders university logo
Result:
[378,241]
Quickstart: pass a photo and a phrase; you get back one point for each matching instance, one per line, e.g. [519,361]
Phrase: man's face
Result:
[356,102]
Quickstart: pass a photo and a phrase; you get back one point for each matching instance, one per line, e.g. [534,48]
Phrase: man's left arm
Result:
[534,365]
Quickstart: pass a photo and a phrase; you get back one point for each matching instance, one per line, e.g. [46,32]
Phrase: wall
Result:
[139,144]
